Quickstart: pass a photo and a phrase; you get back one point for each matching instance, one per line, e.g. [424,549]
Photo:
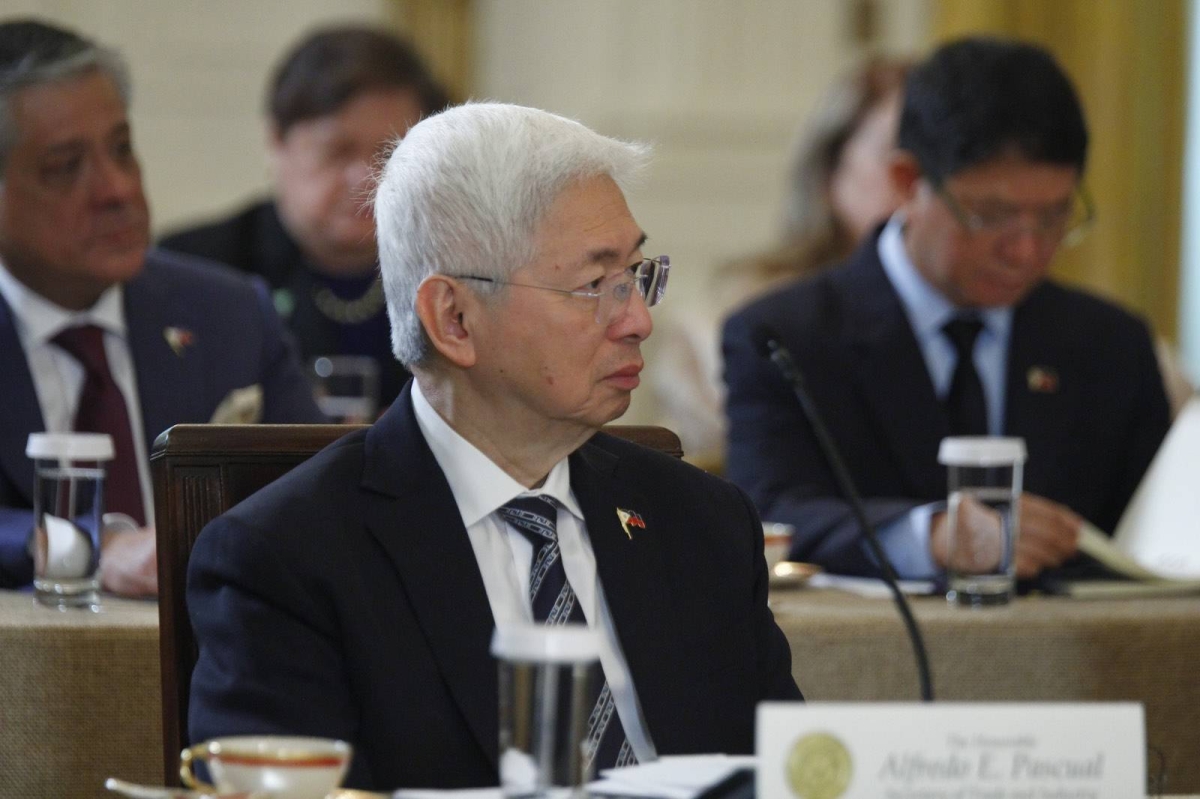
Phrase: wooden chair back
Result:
[199,472]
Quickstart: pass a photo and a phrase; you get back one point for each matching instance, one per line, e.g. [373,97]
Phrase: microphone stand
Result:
[791,373]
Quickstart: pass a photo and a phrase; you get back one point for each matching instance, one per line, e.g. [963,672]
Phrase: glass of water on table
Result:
[983,516]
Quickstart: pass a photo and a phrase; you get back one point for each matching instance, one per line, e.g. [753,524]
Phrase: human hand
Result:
[129,563]
[1049,536]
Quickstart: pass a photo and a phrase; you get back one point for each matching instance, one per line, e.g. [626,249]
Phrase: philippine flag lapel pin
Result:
[1042,380]
[630,518]
[178,339]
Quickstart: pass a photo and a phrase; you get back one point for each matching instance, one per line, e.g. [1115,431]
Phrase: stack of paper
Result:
[669,777]
[1158,539]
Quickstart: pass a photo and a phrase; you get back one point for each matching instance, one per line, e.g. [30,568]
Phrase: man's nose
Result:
[359,172]
[1026,245]
[116,181]
[634,320]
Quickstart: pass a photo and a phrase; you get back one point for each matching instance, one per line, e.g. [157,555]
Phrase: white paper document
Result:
[950,751]
[1158,536]
[669,777]
[869,587]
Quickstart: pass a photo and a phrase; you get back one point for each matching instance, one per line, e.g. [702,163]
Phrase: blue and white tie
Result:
[554,602]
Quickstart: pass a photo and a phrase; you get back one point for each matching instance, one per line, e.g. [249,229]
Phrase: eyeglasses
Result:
[648,277]
[1066,224]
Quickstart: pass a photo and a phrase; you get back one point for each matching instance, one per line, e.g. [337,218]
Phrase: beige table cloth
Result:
[845,647]
[79,698]
[79,692]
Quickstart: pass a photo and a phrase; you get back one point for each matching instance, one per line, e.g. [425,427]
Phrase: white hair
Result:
[464,192]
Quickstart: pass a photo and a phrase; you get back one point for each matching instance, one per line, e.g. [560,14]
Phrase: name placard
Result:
[950,751]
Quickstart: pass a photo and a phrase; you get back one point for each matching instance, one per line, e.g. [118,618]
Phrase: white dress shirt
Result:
[58,378]
[906,540]
[480,489]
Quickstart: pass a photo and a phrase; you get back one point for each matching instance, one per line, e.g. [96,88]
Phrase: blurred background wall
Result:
[719,86]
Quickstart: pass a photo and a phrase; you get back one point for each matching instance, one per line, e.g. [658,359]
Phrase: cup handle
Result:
[197,752]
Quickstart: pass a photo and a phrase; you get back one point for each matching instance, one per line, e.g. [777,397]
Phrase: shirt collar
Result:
[480,487]
[927,309]
[39,320]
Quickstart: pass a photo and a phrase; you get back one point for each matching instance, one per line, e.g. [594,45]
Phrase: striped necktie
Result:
[554,602]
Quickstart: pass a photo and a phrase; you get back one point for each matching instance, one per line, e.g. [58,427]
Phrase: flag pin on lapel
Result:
[1042,379]
[178,339]
[629,519]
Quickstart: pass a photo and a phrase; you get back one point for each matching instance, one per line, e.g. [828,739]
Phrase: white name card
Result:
[950,751]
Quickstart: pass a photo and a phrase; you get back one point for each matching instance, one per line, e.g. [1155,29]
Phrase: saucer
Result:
[792,574]
[134,791]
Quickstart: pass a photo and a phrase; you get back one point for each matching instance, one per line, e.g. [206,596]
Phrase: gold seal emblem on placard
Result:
[819,767]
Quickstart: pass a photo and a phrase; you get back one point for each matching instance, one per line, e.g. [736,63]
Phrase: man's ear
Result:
[445,309]
[905,174]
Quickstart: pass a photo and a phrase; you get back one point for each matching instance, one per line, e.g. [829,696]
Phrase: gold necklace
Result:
[350,312]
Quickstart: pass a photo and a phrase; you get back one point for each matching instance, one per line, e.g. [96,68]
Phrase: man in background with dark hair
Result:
[945,323]
[335,102]
[99,333]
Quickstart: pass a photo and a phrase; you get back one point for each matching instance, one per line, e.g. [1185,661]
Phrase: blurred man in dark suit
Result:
[945,323]
[98,333]
[336,103]
[356,597]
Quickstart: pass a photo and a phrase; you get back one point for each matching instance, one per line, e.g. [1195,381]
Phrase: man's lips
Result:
[121,232]
[626,377]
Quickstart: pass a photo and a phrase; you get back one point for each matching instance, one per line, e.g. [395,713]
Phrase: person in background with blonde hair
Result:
[838,191]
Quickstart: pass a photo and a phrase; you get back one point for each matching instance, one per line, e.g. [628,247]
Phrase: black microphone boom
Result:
[768,345]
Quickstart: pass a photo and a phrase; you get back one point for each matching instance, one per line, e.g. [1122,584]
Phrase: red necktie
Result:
[102,410]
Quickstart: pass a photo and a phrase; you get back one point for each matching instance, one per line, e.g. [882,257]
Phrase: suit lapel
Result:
[630,568]
[412,513]
[23,414]
[891,372]
[170,384]
[1042,399]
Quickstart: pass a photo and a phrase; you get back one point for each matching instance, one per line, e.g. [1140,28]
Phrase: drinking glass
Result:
[983,514]
[68,512]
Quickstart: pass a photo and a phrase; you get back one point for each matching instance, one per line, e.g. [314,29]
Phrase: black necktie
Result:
[966,406]
[554,602]
[102,410]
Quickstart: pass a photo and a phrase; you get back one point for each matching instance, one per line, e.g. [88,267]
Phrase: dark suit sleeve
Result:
[270,659]
[287,395]
[1149,421]
[774,656]
[773,455]
[16,567]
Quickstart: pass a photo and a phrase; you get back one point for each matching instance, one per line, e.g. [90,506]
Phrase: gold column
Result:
[443,32]
[1128,61]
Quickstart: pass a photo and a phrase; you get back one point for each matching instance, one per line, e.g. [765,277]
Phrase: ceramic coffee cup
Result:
[777,542]
[286,767]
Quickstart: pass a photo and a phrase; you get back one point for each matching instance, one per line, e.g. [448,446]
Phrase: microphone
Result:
[766,341]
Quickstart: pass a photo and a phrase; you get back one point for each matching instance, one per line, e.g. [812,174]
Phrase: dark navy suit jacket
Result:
[1082,388]
[345,600]
[237,341]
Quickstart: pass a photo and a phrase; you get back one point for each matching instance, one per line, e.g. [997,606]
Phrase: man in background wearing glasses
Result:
[356,597]
[992,146]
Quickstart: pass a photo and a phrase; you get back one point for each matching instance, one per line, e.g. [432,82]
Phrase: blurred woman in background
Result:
[839,191]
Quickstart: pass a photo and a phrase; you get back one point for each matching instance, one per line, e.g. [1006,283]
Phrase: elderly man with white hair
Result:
[356,597]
